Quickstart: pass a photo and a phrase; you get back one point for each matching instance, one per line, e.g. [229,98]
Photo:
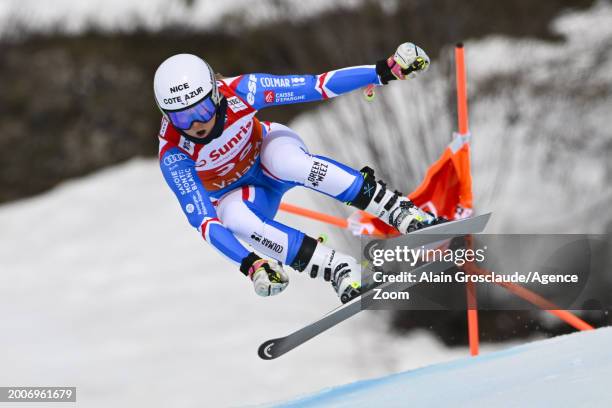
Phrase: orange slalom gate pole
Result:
[472,316]
[462,110]
[537,300]
[571,319]
[324,218]
[462,116]
[315,215]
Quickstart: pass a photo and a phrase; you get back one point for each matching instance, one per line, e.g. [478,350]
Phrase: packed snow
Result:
[566,371]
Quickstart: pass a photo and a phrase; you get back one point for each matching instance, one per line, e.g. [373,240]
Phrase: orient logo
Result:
[269,96]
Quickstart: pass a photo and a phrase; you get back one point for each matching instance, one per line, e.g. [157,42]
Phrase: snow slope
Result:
[105,286]
[566,371]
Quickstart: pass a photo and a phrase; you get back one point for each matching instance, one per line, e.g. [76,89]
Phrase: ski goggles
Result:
[203,112]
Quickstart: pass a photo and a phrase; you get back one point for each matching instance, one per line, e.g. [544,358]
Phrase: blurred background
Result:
[105,286]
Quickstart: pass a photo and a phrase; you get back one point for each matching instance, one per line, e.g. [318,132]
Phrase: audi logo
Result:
[173,158]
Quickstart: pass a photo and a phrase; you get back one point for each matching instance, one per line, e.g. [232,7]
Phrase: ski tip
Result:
[266,350]
[481,222]
[485,217]
[463,226]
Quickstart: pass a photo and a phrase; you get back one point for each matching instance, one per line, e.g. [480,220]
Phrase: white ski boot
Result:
[392,207]
[342,270]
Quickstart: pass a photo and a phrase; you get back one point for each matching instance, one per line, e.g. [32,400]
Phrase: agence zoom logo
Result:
[173,158]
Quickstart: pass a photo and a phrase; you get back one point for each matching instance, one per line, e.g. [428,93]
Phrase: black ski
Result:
[274,348]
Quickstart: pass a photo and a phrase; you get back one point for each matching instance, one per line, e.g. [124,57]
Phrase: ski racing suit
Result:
[232,186]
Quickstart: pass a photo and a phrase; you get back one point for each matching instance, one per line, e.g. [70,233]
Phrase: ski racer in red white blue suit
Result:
[229,171]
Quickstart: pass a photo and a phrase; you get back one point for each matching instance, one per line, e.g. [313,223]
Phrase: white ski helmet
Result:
[186,90]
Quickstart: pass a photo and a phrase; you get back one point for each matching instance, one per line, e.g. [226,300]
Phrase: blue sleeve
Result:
[264,90]
[180,174]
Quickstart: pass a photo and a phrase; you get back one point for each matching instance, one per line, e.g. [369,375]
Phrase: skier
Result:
[229,171]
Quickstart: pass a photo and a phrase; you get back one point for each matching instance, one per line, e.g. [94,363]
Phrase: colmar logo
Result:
[269,96]
[274,246]
[275,82]
[268,243]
